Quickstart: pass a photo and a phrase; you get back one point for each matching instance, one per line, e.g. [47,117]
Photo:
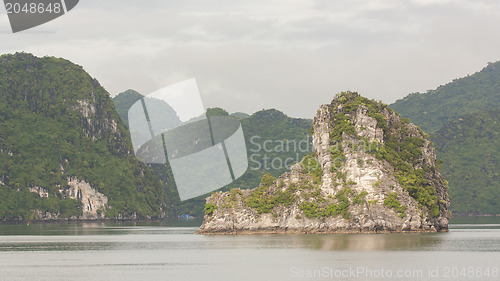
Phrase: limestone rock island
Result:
[371,171]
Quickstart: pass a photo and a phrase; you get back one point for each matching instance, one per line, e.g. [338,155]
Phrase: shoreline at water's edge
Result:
[61,221]
[281,231]
[461,215]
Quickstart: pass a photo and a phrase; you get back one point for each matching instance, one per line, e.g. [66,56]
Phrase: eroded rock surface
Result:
[373,172]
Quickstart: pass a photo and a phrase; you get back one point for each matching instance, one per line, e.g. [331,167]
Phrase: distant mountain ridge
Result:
[480,91]
[124,101]
[270,126]
[462,98]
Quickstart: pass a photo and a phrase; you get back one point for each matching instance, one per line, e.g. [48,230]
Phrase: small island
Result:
[372,171]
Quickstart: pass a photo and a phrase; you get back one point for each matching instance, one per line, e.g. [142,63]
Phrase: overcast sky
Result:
[292,55]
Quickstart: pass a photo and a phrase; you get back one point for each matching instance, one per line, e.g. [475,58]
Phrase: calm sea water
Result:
[170,251]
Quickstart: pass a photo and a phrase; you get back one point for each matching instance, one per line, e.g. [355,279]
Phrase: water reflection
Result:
[364,242]
[98,236]
[90,228]
[158,251]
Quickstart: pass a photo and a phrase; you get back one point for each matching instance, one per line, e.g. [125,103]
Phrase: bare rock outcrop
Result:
[93,202]
[371,171]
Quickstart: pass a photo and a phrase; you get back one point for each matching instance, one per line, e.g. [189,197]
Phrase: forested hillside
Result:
[470,152]
[58,125]
[463,96]
[462,118]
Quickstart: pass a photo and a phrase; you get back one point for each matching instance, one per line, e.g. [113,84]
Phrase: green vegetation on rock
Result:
[264,201]
[399,149]
[340,206]
[312,167]
[312,198]
[392,202]
[360,198]
[210,208]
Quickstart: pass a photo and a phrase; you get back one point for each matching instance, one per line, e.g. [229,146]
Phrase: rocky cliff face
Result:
[93,202]
[371,171]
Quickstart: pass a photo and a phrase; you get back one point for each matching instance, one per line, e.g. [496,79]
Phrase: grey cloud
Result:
[292,55]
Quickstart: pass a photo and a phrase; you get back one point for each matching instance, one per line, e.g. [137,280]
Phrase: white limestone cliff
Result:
[364,175]
[93,202]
